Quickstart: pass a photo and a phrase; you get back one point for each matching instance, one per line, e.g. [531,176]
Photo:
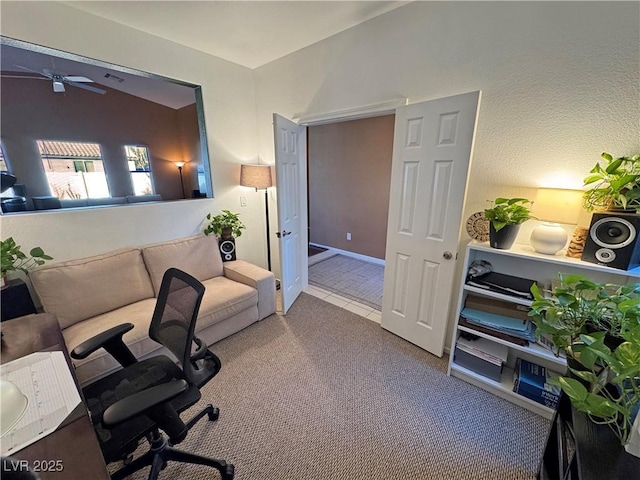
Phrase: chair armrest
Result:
[111,341]
[140,402]
[262,280]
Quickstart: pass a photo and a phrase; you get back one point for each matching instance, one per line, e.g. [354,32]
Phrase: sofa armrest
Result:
[262,280]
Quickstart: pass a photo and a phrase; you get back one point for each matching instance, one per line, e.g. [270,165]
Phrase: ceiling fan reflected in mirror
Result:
[59,80]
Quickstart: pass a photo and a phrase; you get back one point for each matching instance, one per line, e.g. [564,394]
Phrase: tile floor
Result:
[346,303]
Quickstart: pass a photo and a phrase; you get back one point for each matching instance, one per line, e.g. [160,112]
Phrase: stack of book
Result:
[481,356]
[516,330]
[531,381]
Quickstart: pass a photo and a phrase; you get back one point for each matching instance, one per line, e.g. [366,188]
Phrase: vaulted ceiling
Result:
[250,33]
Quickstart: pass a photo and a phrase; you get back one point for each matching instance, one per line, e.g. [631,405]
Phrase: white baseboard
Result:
[332,251]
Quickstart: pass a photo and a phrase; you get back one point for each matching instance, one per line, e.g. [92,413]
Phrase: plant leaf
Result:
[614,165]
[573,388]
[591,179]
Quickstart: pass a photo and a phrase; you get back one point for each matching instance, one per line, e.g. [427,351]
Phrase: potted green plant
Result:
[505,217]
[598,326]
[224,225]
[615,185]
[611,395]
[14,259]
[580,306]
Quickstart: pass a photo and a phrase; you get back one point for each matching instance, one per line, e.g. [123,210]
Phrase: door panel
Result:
[431,158]
[291,181]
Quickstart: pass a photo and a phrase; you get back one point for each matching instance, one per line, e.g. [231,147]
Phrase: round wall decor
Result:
[478,227]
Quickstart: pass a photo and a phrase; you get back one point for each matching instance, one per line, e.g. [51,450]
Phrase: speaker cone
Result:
[227,247]
[613,232]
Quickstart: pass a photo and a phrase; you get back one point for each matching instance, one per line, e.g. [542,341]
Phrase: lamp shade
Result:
[557,205]
[258,176]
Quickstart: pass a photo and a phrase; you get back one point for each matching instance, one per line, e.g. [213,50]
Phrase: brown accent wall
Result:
[349,178]
[31,111]
[191,150]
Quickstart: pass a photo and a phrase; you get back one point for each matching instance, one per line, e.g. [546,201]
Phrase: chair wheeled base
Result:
[162,451]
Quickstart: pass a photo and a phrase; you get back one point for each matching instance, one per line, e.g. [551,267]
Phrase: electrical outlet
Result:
[348,235]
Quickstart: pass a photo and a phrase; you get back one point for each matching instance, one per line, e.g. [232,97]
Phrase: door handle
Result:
[284,233]
[447,255]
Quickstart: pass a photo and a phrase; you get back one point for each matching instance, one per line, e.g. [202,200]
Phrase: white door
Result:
[432,149]
[291,183]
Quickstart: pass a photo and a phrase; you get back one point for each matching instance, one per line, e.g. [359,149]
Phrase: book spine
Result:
[544,398]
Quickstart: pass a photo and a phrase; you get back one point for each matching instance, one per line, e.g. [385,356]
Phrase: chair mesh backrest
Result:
[174,318]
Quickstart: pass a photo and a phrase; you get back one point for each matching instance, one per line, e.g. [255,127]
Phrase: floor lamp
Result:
[259,176]
[180,165]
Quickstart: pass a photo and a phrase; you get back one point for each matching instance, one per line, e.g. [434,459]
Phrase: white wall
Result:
[560,83]
[229,106]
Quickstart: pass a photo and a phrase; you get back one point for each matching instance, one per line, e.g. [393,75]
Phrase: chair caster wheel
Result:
[228,472]
[214,413]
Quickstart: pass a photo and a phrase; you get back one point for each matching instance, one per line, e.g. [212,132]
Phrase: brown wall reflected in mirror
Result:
[66,123]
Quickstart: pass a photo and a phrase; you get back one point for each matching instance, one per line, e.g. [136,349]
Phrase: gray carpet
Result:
[324,394]
[352,278]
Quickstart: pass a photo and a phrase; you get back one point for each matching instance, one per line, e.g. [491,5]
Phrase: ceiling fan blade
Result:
[72,78]
[33,71]
[86,87]
[4,75]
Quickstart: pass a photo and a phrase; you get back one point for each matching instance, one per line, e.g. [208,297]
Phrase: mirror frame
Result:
[202,131]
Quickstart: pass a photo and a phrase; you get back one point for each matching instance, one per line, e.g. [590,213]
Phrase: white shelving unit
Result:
[524,262]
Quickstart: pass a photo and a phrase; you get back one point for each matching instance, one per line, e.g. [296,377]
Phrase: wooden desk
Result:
[578,449]
[74,445]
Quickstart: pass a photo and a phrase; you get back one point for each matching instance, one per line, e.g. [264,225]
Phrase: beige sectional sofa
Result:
[90,295]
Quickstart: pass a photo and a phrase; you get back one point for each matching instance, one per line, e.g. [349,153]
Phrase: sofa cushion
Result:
[137,340]
[199,256]
[83,288]
[222,299]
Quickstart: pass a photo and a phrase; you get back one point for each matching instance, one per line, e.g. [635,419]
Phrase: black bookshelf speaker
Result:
[613,240]
[227,249]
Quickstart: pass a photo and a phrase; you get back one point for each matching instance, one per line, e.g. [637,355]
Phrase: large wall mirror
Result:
[77,133]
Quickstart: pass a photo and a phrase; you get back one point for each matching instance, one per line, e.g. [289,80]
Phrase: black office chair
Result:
[147,396]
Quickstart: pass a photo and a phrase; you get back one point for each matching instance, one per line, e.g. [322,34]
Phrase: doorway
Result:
[432,149]
[349,174]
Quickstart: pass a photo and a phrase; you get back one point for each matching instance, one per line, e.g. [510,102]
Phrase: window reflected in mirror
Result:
[73,170]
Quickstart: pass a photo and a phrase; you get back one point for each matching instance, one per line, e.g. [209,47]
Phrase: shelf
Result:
[504,388]
[496,295]
[533,348]
[521,261]
[526,251]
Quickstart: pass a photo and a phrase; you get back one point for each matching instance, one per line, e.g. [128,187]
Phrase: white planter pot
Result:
[633,445]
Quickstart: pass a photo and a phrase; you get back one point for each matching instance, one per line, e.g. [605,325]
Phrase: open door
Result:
[432,148]
[290,142]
